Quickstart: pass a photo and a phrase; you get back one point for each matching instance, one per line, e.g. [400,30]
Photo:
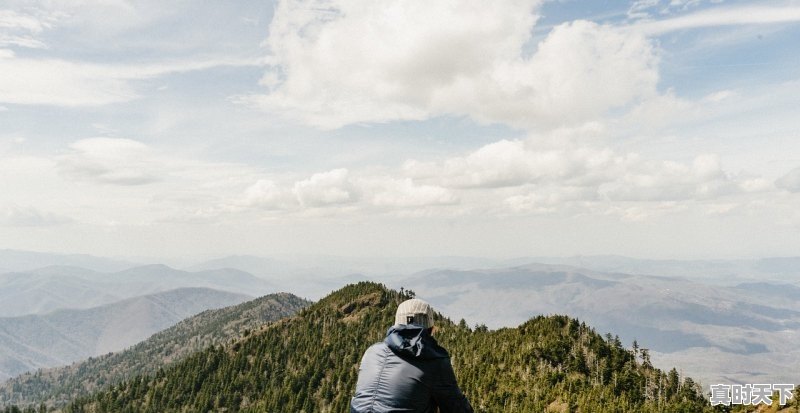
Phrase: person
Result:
[408,371]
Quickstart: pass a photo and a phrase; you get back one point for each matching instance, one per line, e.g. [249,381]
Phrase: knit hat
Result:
[414,311]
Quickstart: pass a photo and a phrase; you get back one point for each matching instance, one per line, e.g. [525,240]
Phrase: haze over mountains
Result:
[728,272]
[714,333]
[56,287]
[315,276]
[717,320]
[16,260]
[64,336]
[212,327]
[58,314]
[309,363]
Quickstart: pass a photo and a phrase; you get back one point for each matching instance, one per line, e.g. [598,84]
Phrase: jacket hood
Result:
[412,341]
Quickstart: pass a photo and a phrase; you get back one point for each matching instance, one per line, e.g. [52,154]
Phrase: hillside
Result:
[309,363]
[64,336]
[51,288]
[211,327]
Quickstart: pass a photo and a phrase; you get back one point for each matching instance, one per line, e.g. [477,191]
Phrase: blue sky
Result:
[664,129]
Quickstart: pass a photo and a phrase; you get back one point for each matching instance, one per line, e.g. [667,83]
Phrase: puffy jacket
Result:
[407,372]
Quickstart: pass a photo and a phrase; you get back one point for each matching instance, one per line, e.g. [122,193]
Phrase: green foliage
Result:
[309,363]
[56,387]
[29,409]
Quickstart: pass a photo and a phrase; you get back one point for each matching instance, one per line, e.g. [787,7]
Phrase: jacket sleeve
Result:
[446,392]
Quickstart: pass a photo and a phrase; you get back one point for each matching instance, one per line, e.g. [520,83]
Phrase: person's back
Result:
[408,371]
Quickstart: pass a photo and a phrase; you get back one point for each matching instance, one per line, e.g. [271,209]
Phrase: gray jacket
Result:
[407,372]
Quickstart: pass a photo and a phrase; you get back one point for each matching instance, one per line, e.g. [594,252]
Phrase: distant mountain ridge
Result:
[58,287]
[310,363]
[64,336]
[211,327]
[714,332]
[16,260]
[253,264]
[333,266]
[727,272]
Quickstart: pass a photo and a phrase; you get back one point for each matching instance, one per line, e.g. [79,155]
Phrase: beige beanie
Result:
[414,311]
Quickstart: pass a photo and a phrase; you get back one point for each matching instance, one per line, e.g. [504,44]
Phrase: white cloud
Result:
[96,17]
[662,110]
[667,181]
[640,212]
[513,163]
[100,180]
[340,187]
[641,9]
[16,216]
[391,192]
[551,177]
[61,83]
[265,194]
[19,29]
[111,161]
[21,41]
[547,199]
[756,184]
[720,16]
[64,83]
[790,181]
[10,19]
[337,63]
[719,96]
[325,189]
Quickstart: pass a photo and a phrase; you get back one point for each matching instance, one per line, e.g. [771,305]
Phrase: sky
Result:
[652,128]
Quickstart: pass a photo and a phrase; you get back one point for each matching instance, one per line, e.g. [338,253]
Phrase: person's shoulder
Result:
[375,353]
[379,347]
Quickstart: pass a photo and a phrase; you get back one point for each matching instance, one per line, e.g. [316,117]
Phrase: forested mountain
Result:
[310,363]
[64,336]
[211,327]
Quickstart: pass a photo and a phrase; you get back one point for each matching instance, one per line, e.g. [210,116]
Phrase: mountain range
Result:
[213,327]
[16,260]
[717,320]
[310,362]
[724,272]
[47,289]
[741,334]
[64,336]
